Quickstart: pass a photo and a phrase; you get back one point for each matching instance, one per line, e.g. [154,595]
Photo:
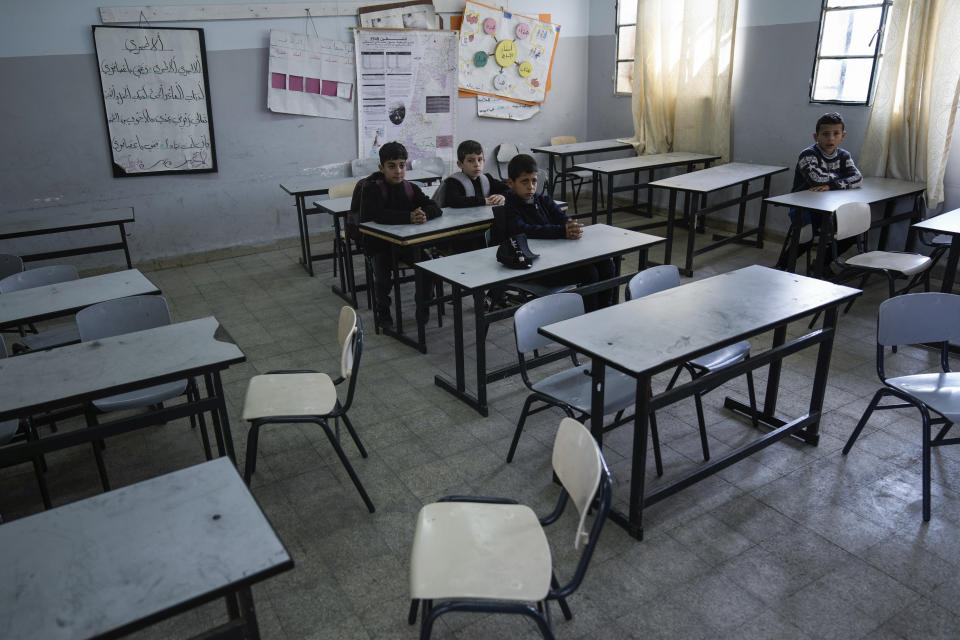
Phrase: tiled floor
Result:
[794,542]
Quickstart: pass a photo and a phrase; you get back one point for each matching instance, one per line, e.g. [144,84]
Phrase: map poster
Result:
[505,54]
[407,90]
[156,99]
[310,76]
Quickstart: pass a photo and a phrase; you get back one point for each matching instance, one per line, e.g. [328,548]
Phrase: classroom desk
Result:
[696,185]
[656,333]
[453,223]
[338,208]
[65,298]
[66,376]
[112,564]
[872,191]
[649,163]
[316,185]
[474,272]
[35,222]
[947,224]
[567,152]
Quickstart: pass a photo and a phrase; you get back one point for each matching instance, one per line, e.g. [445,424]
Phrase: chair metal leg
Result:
[943,431]
[926,463]
[564,607]
[655,436]
[703,427]
[752,394]
[251,463]
[346,465]
[353,434]
[412,616]
[519,429]
[97,447]
[863,420]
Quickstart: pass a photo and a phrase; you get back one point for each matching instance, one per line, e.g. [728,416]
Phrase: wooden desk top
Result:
[108,563]
[64,298]
[667,328]
[29,222]
[948,223]
[480,269]
[579,148]
[452,221]
[65,375]
[651,161]
[317,185]
[719,177]
[872,190]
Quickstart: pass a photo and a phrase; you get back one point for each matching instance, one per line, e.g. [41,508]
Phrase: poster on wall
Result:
[490,107]
[156,99]
[310,76]
[407,88]
[505,54]
[416,14]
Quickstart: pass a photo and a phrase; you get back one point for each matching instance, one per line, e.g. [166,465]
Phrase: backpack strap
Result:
[467,184]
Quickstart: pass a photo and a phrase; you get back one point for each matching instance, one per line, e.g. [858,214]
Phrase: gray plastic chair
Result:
[363,167]
[503,153]
[433,164]
[128,315]
[918,318]
[10,429]
[39,277]
[9,265]
[570,389]
[667,276]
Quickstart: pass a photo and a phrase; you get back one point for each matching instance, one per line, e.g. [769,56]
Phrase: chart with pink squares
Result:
[311,76]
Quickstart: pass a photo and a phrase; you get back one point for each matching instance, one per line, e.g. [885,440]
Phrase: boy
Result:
[471,187]
[387,198]
[537,216]
[823,166]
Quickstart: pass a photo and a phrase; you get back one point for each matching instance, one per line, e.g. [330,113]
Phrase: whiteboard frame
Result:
[118,172]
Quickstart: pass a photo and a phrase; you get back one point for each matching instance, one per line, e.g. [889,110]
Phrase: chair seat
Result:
[906,263]
[141,397]
[941,240]
[939,391]
[289,394]
[723,357]
[573,386]
[51,338]
[478,550]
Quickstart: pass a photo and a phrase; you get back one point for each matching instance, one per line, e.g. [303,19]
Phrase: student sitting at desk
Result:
[537,216]
[386,197]
[470,187]
[823,166]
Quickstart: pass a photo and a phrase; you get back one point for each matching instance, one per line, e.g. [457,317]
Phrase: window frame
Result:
[884,6]
[617,60]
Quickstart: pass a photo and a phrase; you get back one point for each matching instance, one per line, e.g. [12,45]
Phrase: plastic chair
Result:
[306,396]
[667,276]
[913,319]
[433,164]
[570,389]
[576,178]
[9,265]
[40,277]
[11,430]
[491,555]
[363,167]
[503,153]
[128,315]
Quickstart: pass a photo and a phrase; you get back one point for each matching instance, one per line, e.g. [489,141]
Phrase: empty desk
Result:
[566,152]
[109,565]
[658,332]
[947,224]
[696,185]
[34,222]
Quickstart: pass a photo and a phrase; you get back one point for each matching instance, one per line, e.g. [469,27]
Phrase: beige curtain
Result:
[681,76]
[915,104]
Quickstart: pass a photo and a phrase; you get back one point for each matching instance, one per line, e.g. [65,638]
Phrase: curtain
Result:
[681,77]
[915,104]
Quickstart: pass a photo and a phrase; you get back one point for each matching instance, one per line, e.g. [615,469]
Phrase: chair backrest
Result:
[659,278]
[543,311]
[347,328]
[433,164]
[362,167]
[126,315]
[562,140]
[9,265]
[341,190]
[543,181]
[916,318]
[578,463]
[852,219]
[38,277]
[503,153]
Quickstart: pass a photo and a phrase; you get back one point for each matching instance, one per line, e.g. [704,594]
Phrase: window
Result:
[626,40]
[848,51]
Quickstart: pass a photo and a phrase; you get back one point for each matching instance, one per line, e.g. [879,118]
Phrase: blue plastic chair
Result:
[39,277]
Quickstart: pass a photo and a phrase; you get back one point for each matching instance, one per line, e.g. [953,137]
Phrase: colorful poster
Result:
[490,107]
[505,54]
[407,86]
[310,76]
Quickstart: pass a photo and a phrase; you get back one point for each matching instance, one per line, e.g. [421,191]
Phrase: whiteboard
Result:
[156,100]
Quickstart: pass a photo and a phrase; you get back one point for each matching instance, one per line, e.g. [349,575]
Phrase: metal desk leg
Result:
[126,249]
[762,220]
[636,191]
[773,376]
[301,211]
[422,313]
[952,259]
[224,420]
[610,178]
[594,185]
[690,205]
[598,375]
[550,172]
[563,183]
[650,176]
[638,468]
[458,388]
[215,416]
[481,348]
[811,434]
[671,221]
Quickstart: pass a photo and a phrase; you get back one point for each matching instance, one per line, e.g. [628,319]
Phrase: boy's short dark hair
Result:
[520,164]
[392,151]
[467,147]
[831,118]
